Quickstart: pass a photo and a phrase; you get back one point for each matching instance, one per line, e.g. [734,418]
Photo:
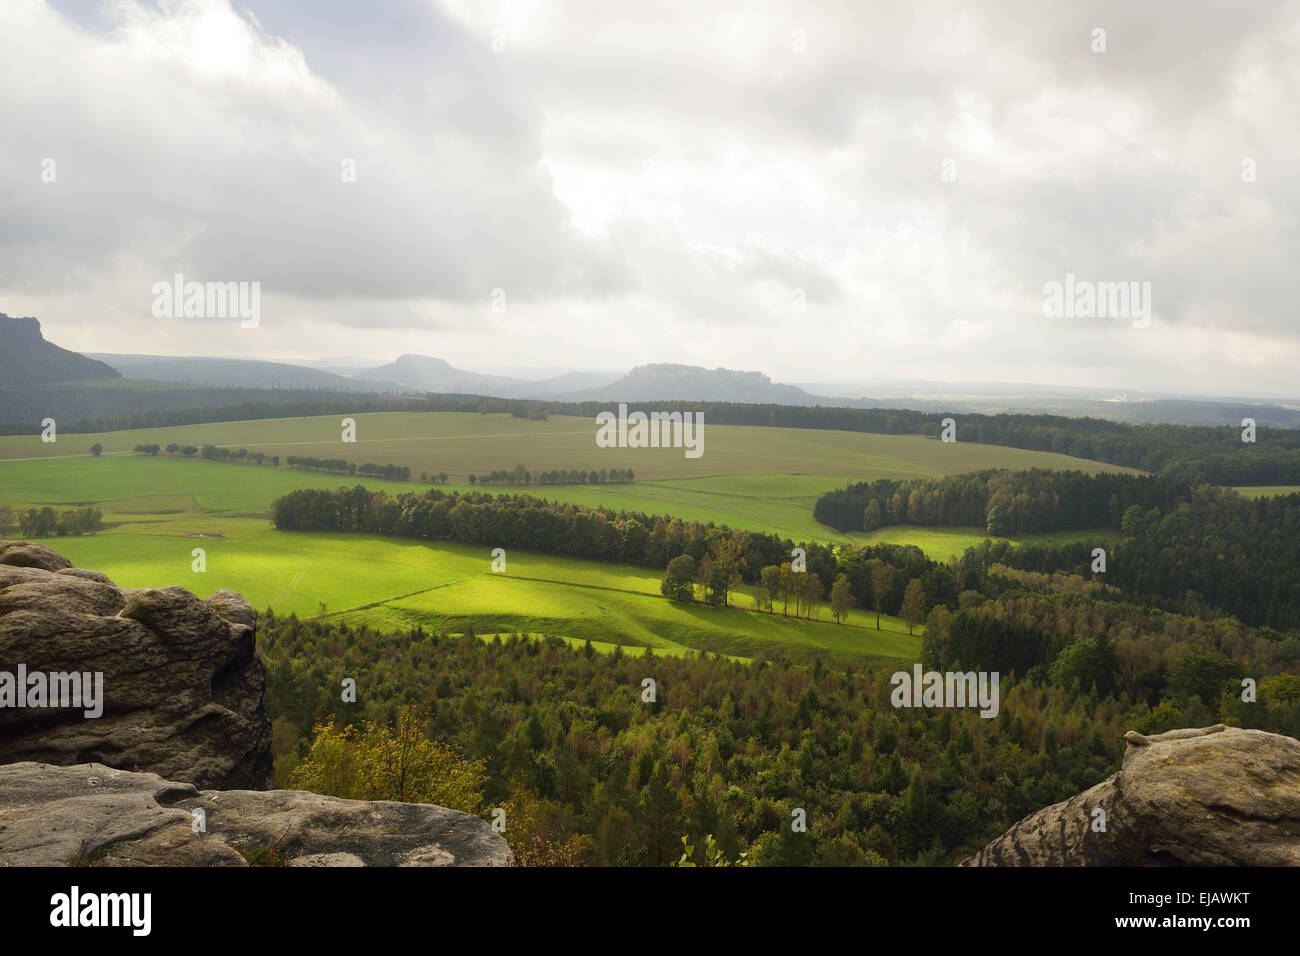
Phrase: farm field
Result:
[460,444]
[158,509]
[1264,491]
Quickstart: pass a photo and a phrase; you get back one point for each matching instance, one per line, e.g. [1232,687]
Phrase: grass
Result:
[401,583]
[460,443]
[159,509]
[1264,491]
[939,544]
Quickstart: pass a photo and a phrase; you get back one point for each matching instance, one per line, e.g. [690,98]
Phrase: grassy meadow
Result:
[460,443]
[158,509]
[1266,491]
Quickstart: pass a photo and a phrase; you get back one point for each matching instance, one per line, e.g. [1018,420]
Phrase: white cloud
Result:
[652,181]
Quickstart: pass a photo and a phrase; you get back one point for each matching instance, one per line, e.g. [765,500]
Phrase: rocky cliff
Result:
[164,755]
[1212,796]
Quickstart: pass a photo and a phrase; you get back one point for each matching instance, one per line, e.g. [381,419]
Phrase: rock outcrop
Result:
[1212,796]
[94,815]
[173,771]
[182,685]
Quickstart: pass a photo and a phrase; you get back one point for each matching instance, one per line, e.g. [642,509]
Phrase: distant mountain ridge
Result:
[669,381]
[26,358]
[233,373]
[430,374]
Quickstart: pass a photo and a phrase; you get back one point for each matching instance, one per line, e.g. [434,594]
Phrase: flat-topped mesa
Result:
[178,680]
[26,358]
[1208,796]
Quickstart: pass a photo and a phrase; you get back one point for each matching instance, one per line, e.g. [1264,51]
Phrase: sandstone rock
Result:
[182,684]
[92,814]
[28,554]
[1210,796]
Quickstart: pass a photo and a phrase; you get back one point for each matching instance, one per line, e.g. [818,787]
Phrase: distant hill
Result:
[664,382]
[426,373]
[27,359]
[562,384]
[234,373]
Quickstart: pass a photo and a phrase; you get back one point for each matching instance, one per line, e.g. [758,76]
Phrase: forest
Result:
[1214,553]
[1002,502]
[1193,622]
[588,772]
[1204,550]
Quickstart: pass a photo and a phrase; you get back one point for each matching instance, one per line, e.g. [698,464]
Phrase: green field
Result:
[460,443]
[762,479]
[158,509]
[1264,491]
[941,543]
[400,583]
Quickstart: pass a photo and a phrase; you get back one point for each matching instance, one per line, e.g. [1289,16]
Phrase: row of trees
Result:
[342,466]
[46,522]
[722,568]
[522,476]
[88,408]
[1002,502]
[209,452]
[336,465]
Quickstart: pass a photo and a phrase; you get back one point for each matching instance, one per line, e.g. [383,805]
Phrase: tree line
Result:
[1214,553]
[722,568]
[46,522]
[208,452]
[342,466]
[1000,501]
[561,476]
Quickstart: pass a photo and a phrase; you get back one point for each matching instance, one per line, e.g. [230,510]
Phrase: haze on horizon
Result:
[823,192]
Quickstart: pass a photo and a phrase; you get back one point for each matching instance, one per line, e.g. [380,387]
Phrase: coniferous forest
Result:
[1200,594]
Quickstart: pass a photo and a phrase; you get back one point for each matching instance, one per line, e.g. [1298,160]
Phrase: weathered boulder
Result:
[28,554]
[90,814]
[1211,796]
[182,684]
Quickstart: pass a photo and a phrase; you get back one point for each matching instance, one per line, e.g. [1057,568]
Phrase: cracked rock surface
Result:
[90,814]
[1209,796]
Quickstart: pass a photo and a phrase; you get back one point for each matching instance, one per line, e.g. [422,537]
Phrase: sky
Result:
[819,191]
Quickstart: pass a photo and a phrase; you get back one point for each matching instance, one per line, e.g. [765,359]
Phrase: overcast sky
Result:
[821,191]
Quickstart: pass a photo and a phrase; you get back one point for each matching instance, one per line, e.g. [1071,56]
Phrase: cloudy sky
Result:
[821,191]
